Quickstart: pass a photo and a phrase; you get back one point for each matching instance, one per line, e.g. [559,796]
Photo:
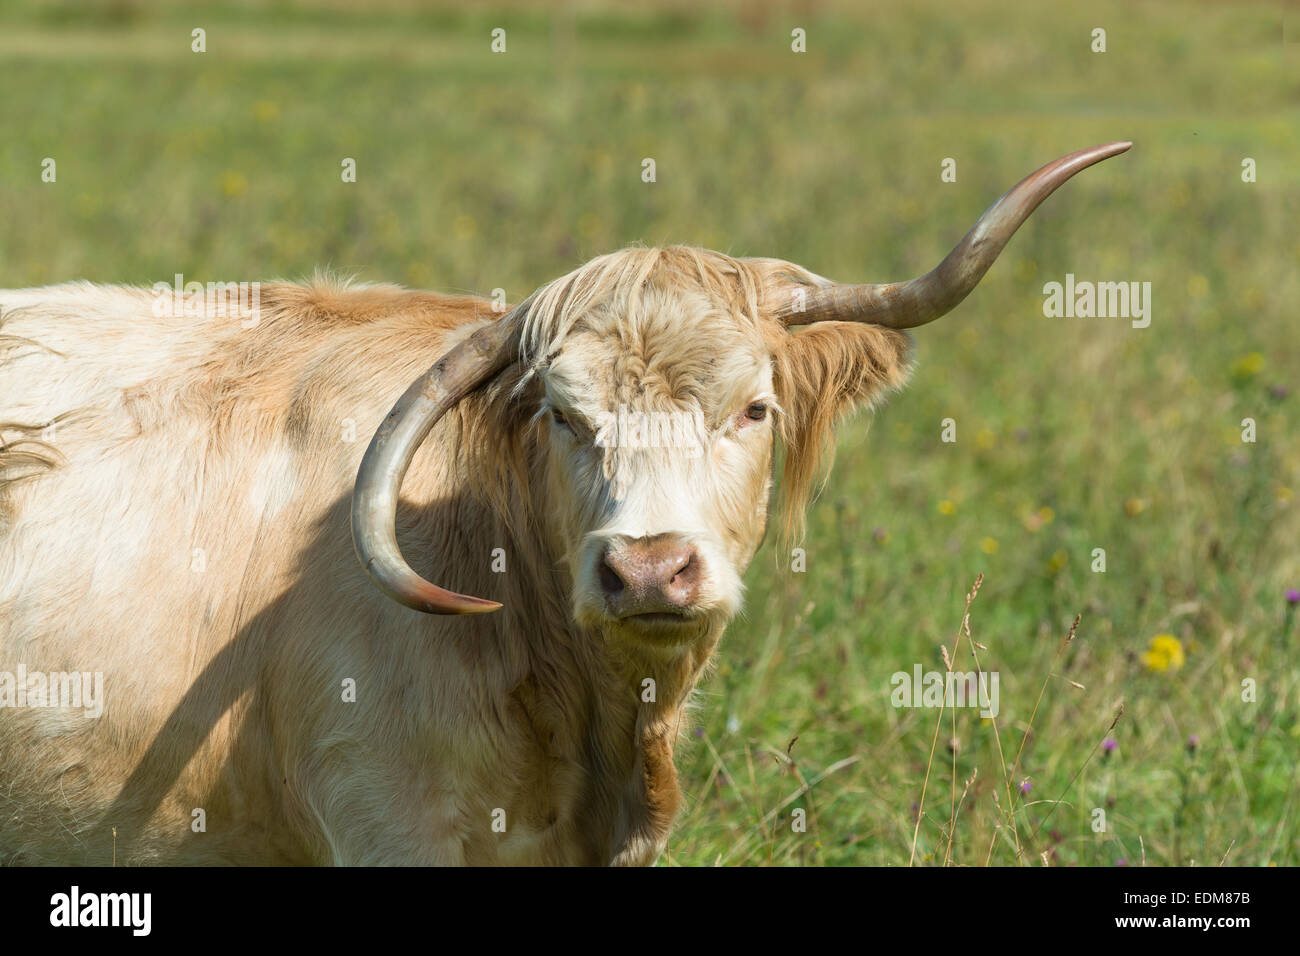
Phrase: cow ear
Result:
[821,373]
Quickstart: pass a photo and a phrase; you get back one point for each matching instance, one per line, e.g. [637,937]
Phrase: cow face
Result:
[658,398]
[658,427]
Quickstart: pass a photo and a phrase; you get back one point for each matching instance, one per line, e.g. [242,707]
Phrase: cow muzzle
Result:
[649,580]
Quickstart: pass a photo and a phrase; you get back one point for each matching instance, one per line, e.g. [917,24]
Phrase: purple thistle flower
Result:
[1121,862]
[1108,745]
[1293,596]
[1193,742]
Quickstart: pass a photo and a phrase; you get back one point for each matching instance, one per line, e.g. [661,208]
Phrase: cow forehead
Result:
[699,357]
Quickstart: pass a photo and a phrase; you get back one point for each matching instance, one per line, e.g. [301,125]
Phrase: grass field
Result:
[478,170]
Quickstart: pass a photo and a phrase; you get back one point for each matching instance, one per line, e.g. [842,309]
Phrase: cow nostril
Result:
[684,585]
[610,581]
[686,571]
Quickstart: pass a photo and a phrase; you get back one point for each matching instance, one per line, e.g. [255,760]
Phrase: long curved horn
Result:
[905,305]
[374,499]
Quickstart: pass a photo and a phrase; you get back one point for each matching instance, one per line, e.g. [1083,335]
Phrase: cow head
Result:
[657,381]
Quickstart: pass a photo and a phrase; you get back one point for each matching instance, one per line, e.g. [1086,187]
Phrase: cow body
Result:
[183,529]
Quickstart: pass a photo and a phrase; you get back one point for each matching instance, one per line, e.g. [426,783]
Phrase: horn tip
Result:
[480,606]
[461,604]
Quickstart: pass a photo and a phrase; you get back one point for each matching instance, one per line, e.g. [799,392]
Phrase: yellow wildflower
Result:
[1248,365]
[1165,653]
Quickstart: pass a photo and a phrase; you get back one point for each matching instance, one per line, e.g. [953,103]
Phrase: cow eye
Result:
[756,412]
[557,416]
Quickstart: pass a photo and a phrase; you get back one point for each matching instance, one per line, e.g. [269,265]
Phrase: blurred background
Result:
[477,170]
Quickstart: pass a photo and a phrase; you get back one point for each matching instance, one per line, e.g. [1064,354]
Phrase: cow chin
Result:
[660,630]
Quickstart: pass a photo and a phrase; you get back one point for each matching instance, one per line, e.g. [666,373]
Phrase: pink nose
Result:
[657,574]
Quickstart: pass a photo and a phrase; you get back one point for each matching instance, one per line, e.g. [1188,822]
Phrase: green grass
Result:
[478,171]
